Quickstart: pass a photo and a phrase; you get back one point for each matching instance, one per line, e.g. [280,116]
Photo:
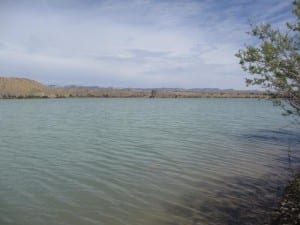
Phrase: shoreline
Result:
[288,209]
[208,96]
[19,88]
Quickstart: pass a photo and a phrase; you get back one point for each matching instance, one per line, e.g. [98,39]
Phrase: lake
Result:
[143,161]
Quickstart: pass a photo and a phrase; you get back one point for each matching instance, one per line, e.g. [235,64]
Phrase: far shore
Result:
[23,88]
[204,96]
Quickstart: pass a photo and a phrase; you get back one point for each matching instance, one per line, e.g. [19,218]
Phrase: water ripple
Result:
[143,161]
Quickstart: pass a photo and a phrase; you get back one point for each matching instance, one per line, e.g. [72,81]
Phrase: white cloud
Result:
[129,44]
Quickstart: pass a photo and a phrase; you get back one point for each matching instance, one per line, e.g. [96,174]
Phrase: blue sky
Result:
[150,43]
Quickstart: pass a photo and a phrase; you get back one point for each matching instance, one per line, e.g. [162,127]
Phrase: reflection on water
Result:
[244,201]
[143,161]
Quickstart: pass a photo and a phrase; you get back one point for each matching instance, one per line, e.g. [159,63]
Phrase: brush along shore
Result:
[11,88]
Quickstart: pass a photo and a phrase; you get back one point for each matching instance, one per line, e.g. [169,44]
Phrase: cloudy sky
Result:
[138,43]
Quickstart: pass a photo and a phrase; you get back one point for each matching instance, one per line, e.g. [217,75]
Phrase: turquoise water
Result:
[142,161]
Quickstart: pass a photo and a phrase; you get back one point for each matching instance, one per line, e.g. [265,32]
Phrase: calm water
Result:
[142,161]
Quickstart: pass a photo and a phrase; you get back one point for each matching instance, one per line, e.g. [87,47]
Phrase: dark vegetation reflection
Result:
[244,200]
[289,139]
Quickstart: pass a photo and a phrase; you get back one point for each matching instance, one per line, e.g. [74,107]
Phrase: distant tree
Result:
[275,61]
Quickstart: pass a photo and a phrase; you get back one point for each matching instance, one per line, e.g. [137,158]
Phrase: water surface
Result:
[142,161]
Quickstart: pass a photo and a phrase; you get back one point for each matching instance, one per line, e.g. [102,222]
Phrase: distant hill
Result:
[12,87]
[25,88]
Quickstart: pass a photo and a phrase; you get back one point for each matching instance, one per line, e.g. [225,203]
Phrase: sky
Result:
[137,43]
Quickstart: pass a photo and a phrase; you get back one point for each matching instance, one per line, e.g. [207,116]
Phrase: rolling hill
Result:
[12,87]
